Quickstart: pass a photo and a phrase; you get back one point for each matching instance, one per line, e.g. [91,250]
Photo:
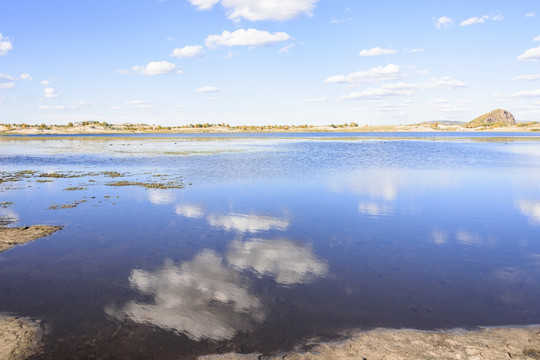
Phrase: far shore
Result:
[106,129]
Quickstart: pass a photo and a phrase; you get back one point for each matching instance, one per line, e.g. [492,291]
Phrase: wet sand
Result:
[13,236]
[390,344]
[19,337]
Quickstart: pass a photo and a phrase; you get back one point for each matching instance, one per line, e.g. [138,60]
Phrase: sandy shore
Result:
[139,129]
[388,344]
[19,337]
[13,236]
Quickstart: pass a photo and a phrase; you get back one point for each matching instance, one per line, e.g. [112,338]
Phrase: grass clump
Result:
[148,185]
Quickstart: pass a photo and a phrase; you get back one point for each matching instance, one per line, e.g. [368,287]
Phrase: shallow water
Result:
[272,240]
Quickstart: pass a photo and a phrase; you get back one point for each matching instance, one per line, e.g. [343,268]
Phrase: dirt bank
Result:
[389,344]
[12,236]
[19,337]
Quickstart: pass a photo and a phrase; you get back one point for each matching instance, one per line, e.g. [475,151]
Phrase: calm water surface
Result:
[273,240]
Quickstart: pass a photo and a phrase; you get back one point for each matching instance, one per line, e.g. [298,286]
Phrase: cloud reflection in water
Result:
[190,211]
[531,209]
[200,298]
[285,261]
[248,223]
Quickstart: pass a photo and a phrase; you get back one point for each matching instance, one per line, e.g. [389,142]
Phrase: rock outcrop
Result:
[497,117]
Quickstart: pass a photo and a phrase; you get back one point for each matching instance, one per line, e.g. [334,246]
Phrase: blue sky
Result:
[177,62]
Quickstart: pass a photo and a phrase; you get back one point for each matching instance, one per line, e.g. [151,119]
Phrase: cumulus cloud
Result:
[288,263]
[376,51]
[6,81]
[243,37]
[443,22]
[528,77]
[5,45]
[189,211]
[153,68]
[480,20]
[402,88]
[532,54]
[243,223]
[255,10]
[531,209]
[530,15]
[26,76]
[201,299]
[379,73]
[207,89]
[50,93]
[45,82]
[188,52]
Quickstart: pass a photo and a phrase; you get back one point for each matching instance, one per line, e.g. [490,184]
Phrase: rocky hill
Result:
[493,118]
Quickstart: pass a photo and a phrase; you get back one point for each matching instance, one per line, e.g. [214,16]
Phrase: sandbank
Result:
[19,337]
[390,344]
[12,236]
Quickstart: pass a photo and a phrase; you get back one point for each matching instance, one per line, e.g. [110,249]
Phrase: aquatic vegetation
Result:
[66,206]
[148,185]
[73,188]
[5,204]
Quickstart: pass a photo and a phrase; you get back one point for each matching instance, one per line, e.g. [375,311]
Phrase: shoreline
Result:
[20,337]
[132,129]
[506,342]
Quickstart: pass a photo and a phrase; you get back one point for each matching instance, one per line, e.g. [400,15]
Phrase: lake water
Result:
[271,241]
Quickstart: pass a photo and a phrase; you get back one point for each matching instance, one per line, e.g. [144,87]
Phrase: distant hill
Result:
[493,118]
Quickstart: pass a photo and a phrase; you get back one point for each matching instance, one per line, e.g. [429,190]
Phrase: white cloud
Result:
[201,298]
[401,89]
[316,100]
[530,15]
[340,21]
[45,82]
[50,93]
[189,211]
[68,107]
[207,89]
[443,21]
[526,94]
[26,76]
[532,54]
[288,263]
[255,10]
[243,223]
[528,77]
[203,4]
[388,72]
[5,45]
[6,81]
[242,37]
[285,49]
[376,51]
[537,38]
[188,52]
[480,20]
[531,209]
[153,68]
